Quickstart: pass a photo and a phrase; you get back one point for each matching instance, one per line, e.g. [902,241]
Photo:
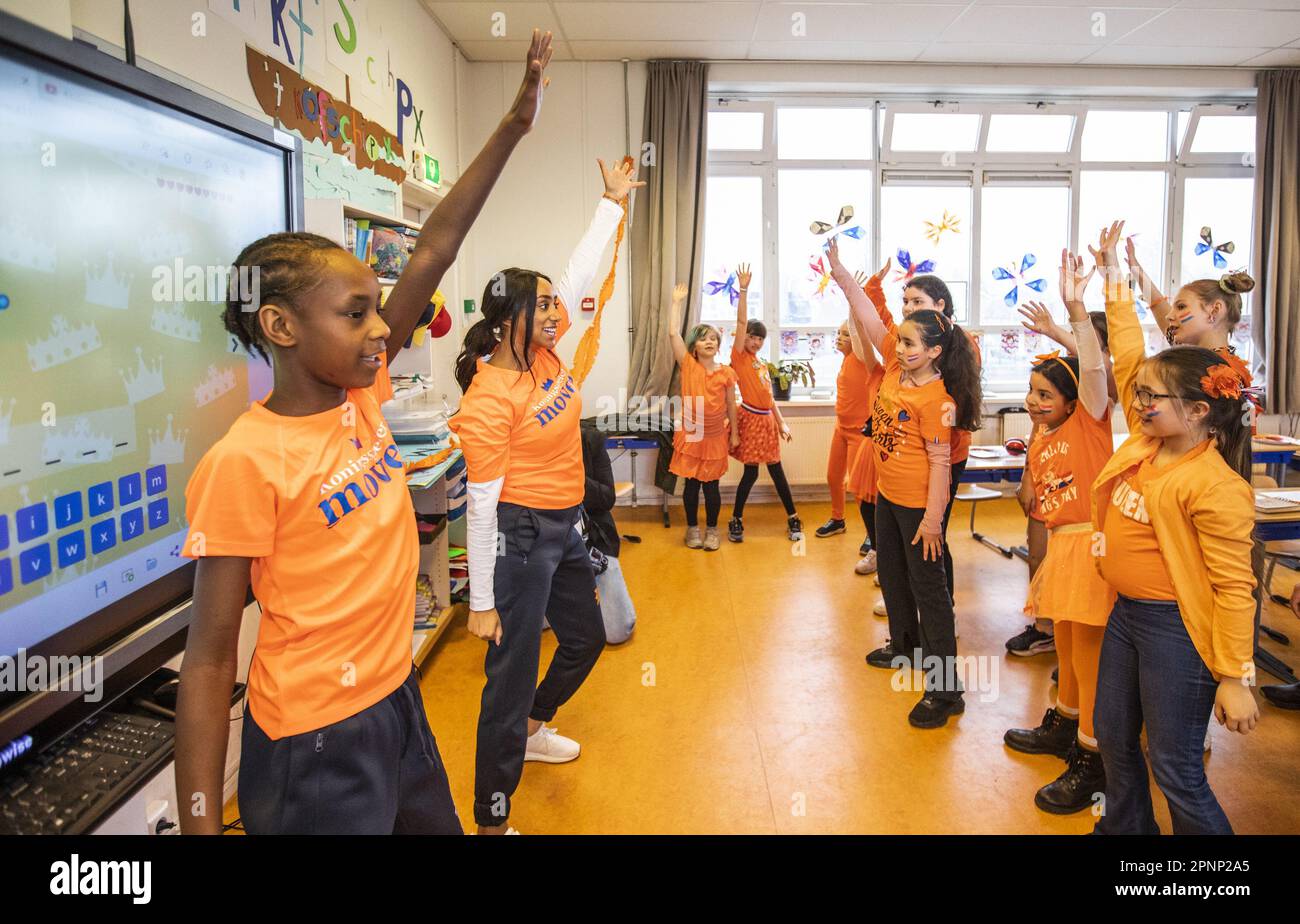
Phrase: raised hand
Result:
[879,275]
[528,102]
[1145,286]
[861,279]
[679,293]
[1038,319]
[1105,252]
[619,180]
[1073,281]
[743,276]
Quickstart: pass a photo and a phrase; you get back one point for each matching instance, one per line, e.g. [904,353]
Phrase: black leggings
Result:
[691,501]
[868,511]
[958,468]
[747,481]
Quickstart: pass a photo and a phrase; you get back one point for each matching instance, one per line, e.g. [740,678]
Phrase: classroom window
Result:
[733,233]
[1136,196]
[1216,232]
[935,131]
[927,229]
[804,133]
[808,296]
[1125,135]
[1012,132]
[1024,228]
[735,131]
[1224,135]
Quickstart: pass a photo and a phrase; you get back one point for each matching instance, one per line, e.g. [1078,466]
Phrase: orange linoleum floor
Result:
[742,703]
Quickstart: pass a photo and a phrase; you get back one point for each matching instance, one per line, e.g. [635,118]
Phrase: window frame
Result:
[976,169]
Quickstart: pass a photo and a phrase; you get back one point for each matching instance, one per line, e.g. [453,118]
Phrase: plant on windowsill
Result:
[787,373]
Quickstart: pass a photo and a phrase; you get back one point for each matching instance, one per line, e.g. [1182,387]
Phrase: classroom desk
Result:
[1274,456]
[632,444]
[1271,527]
[1005,467]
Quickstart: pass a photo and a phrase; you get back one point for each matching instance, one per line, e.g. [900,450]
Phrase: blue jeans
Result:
[1151,672]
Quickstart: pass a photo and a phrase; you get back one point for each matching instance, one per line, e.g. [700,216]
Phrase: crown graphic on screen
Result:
[107,289]
[78,446]
[6,417]
[147,381]
[174,322]
[163,245]
[20,246]
[214,386]
[167,448]
[65,343]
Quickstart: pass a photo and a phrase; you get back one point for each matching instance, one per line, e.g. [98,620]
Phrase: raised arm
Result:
[860,307]
[1127,346]
[446,227]
[1092,371]
[675,321]
[744,276]
[1146,286]
[584,263]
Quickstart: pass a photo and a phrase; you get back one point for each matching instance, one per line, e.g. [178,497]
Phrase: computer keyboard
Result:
[67,787]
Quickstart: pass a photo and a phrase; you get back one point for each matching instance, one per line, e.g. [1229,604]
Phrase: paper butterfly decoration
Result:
[840,226]
[910,269]
[728,286]
[1018,277]
[949,222]
[823,274]
[1010,341]
[1206,244]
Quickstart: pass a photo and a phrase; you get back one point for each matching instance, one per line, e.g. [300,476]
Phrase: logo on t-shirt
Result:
[1057,490]
[557,399]
[361,480]
[1129,502]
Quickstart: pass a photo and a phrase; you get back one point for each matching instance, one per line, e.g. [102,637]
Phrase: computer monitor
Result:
[125,200]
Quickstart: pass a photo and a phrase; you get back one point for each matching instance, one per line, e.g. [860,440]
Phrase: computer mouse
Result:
[165,693]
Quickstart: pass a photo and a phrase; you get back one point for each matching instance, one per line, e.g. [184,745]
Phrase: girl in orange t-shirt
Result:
[860,475]
[758,418]
[931,385]
[1068,404]
[1176,513]
[708,427]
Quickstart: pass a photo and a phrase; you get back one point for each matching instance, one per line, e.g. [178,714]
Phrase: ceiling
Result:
[1205,33]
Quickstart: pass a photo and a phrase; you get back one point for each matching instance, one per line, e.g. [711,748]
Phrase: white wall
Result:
[548,192]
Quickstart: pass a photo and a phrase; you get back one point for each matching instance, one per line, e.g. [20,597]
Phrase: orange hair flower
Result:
[1238,366]
[1221,381]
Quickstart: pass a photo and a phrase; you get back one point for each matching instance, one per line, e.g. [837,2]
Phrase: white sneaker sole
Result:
[550,758]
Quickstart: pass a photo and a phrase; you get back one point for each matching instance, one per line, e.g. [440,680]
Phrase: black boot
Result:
[1056,735]
[891,657]
[736,530]
[1283,696]
[1077,788]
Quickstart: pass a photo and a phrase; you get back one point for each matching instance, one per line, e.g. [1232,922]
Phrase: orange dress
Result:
[760,442]
[1062,465]
[861,476]
[700,445]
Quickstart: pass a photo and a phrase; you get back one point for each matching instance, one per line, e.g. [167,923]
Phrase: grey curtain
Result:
[668,230]
[1277,237]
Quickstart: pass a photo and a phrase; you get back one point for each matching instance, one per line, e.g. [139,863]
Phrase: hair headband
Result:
[1056,355]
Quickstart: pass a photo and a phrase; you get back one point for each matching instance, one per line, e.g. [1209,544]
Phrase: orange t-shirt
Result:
[1064,463]
[852,393]
[705,390]
[523,426]
[903,421]
[1132,562]
[752,376]
[319,503]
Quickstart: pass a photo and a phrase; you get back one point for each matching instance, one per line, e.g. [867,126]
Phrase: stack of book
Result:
[383,248]
[426,602]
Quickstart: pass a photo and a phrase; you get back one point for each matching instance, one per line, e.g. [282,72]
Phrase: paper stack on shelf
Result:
[459,574]
[426,602]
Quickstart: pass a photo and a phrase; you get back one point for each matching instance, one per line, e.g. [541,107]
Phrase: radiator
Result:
[804,458]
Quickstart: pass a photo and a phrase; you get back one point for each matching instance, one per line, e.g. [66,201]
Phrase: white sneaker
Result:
[879,608]
[511,831]
[693,540]
[867,564]
[549,747]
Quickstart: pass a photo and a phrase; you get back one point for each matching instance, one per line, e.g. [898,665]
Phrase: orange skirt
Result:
[704,459]
[860,478]
[1067,587]
[760,438]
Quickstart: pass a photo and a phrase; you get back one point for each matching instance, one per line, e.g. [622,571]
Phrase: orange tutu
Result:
[1066,587]
[760,438]
[704,459]
[860,479]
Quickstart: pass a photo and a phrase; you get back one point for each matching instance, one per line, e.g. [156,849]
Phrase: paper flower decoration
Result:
[934,229]
[1009,272]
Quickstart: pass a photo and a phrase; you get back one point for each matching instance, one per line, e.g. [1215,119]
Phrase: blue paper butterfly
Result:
[1207,244]
[729,286]
[1018,276]
[908,269]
